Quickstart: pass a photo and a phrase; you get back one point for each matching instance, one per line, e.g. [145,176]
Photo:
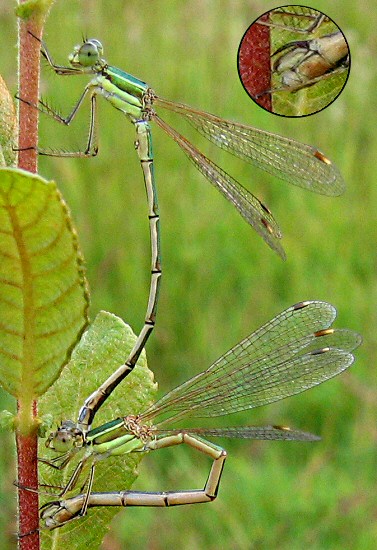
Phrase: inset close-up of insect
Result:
[294,61]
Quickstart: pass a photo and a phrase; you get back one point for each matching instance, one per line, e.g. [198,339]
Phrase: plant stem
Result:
[28,502]
[26,438]
[255,62]
[29,68]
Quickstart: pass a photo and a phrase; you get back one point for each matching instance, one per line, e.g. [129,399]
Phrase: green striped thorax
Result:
[119,436]
[123,90]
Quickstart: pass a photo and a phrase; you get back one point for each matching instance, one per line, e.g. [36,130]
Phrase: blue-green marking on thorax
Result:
[126,81]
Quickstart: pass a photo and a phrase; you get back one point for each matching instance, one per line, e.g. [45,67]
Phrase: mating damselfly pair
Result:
[297,163]
[297,350]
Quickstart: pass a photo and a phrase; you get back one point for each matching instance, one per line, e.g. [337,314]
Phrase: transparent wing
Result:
[250,432]
[288,159]
[250,208]
[292,353]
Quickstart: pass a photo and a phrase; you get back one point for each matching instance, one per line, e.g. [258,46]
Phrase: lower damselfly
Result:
[297,163]
[293,352]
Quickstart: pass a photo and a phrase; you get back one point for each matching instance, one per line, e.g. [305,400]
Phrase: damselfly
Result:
[295,351]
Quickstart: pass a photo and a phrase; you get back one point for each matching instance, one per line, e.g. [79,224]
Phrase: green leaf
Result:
[7,421]
[8,126]
[43,291]
[102,349]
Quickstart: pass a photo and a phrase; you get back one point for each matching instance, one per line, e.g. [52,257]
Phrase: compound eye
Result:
[63,441]
[97,44]
[89,53]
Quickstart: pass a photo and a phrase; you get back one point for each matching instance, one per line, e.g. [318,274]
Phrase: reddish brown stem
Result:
[255,62]
[28,504]
[29,53]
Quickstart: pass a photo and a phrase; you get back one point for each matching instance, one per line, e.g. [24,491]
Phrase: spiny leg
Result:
[72,482]
[58,69]
[91,148]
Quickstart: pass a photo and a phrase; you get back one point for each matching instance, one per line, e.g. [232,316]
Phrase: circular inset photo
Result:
[293,61]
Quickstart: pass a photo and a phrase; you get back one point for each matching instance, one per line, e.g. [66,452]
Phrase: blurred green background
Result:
[220,281]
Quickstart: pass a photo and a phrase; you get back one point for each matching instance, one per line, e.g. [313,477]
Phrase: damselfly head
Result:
[86,55]
[65,437]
